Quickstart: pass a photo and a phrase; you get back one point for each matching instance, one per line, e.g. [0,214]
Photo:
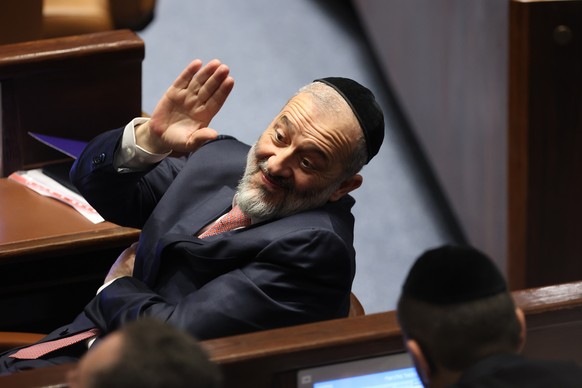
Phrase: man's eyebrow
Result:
[287,123]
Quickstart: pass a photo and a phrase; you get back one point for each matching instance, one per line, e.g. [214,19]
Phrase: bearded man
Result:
[290,261]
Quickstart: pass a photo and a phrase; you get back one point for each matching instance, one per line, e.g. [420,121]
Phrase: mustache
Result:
[285,183]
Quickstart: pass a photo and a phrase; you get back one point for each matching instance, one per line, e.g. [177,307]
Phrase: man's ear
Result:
[523,329]
[346,186]
[420,361]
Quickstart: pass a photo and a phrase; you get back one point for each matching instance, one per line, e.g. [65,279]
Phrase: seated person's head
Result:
[146,354]
[454,310]
[312,151]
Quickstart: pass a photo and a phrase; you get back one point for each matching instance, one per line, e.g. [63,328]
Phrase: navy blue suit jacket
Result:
[282,272]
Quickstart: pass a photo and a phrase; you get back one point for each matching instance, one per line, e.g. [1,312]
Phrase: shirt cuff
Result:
[104,286]
[130,156]
[92,339]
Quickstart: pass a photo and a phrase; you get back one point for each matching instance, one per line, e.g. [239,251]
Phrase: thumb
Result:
[199,137]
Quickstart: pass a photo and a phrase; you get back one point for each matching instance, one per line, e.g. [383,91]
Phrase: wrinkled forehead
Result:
[327,106]
[328,116]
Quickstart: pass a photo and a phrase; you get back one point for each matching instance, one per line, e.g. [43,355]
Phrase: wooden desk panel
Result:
[554,321]
[74,87]
[49,253]
[271,358]
[31,223]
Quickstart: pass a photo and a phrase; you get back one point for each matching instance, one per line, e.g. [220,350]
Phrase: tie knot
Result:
[234,219]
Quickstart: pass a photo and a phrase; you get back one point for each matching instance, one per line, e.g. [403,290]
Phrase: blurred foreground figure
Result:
[146,354]
[462,328]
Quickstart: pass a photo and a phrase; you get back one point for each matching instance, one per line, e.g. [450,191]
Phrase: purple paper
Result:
[69,147]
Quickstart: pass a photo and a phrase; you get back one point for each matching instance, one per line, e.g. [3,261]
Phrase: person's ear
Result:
[420,361]
[523,329]
[346,186]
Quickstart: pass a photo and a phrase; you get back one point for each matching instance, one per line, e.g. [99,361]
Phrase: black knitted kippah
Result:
[453,274]
[364,106]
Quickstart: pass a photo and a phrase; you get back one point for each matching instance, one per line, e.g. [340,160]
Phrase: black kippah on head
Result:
[365,107]
[453,274]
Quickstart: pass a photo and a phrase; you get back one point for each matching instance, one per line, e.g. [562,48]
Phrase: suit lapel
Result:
[190,220]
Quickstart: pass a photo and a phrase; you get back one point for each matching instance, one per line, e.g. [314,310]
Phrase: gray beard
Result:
[254,200]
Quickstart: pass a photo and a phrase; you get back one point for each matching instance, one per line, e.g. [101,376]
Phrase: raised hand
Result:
[181,118]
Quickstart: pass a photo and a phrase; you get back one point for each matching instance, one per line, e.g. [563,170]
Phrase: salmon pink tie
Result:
[231,220]
[38,350]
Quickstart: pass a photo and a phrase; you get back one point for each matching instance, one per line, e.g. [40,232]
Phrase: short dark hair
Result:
[455,304]
[156,355]
[458,335]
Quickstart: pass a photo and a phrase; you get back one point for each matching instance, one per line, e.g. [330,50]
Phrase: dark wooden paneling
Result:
[52,260]
[554,321]
[74,87]
[493,90]
[545,139]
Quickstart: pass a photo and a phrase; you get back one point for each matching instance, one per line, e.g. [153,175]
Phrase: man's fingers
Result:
[202,76]
[218,98]
[185,77]
[214,83]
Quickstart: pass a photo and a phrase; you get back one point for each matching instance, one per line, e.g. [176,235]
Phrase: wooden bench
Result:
[272,358]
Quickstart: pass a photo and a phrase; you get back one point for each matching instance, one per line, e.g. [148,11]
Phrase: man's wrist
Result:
[130,156]
[106,284]
[148,141]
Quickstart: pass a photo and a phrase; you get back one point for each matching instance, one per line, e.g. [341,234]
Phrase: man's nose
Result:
[279,164]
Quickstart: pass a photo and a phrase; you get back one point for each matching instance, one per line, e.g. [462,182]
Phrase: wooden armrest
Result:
[14,339]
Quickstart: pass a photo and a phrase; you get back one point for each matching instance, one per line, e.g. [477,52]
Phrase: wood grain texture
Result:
[74,87]
[50,253]
[271,358]
[545,136]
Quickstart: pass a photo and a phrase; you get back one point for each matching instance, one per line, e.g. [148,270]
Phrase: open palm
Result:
[181,118]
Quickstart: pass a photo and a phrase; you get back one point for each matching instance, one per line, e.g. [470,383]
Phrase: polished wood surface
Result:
[544,141]
[272,358]
[50,254]
[15,339]
[554,321]
[492,91]
[53,377]
[74,87]
[32,225]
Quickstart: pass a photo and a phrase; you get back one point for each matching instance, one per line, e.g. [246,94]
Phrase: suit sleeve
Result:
[304,277]
[123,198]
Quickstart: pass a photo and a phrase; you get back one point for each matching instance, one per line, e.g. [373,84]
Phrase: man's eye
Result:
[305,163]
[279,136]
